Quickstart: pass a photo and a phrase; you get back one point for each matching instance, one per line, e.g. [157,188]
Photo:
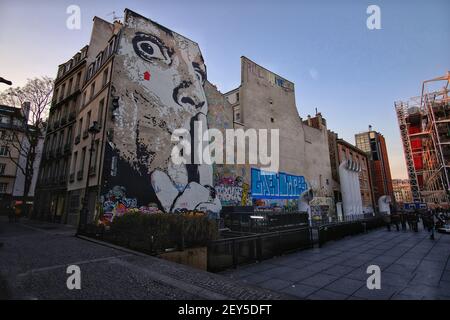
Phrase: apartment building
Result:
[52,183]
[13,123]
[143,81]
[374,145]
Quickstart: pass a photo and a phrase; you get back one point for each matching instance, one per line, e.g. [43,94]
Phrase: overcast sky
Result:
[351,74]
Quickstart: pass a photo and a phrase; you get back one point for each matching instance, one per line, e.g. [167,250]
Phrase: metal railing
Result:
[229,253]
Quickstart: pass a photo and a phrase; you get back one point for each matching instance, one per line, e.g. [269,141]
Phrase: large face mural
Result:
[158,84]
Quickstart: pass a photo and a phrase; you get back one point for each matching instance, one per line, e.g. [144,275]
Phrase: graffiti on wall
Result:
[268,76]
[158,85]
[233,191]
[267,185]
[116,201]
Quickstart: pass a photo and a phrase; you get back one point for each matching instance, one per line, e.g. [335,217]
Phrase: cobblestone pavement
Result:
[34,259]
[412,267]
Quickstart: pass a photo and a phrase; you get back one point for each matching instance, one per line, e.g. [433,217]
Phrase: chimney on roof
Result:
[117,25]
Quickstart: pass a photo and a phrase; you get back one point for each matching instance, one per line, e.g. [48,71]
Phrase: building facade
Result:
[53,179]
[141,84]
[402,191]
[424,130]
[265,100]
[13,123]
[374,145]
[349,160]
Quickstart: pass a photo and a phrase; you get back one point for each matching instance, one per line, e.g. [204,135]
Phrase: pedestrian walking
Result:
[395,218]
[403,220]
[387,220]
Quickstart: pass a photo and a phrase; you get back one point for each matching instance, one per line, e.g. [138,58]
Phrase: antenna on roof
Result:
[115,18]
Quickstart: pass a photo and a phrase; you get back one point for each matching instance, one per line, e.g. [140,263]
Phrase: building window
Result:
[5,120]
[63,89]
[56,95]
[74,162]
[3,187]
[77,84]
[84,99]
[105,77]
[69,88]
[2,168]
[4,151]
[88,121]
[100,112]
[83,159]
[92,90]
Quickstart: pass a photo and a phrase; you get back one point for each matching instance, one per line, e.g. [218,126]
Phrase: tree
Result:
[34,98]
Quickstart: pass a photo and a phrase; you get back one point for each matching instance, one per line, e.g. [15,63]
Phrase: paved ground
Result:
[412,267]
[34,258]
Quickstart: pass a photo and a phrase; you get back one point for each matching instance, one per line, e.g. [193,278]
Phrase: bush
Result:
[154,233]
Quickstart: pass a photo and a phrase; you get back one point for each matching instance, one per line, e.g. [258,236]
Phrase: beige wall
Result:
[266,105]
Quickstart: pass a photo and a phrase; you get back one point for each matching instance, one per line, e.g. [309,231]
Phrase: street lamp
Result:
[93,130]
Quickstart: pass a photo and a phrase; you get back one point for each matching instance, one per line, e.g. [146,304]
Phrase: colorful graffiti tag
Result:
[233,191]
[267,185]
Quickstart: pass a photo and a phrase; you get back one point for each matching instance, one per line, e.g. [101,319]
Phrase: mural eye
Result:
[150,48]
[200,74]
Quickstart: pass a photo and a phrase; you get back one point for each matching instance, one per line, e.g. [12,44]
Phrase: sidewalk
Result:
[35,256]
[412,267]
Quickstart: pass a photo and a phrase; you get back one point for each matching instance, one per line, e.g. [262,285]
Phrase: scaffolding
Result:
[424,123]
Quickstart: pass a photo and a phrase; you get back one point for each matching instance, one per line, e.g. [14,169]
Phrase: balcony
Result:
[72,115]
[67,148]
[92,171]
[85,134]
[77,139]
[62,179]
[72,177]
[80,175]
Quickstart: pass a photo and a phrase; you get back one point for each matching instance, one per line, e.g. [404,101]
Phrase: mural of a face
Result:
[160,88]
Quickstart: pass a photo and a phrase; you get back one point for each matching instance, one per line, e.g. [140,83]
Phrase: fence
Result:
[227,253]
[335,231]
[258,222]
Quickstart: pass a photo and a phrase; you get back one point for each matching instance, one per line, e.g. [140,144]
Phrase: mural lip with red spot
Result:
[147,75]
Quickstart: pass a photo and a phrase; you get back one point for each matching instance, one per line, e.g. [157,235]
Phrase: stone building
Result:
[142,83]
[51,191]
[265,100]
[402,191]
[13,123]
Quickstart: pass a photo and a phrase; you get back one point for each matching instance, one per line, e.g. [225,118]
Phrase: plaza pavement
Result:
[412,267]
[35,255]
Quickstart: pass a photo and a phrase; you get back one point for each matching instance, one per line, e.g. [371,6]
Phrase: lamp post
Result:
[93,130]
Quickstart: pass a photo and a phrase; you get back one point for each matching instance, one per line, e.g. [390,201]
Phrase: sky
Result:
[351,74]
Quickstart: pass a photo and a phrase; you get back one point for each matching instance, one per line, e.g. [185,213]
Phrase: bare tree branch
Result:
[37,92]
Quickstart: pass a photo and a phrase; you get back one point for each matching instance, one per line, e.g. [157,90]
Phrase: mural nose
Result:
[185,95]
